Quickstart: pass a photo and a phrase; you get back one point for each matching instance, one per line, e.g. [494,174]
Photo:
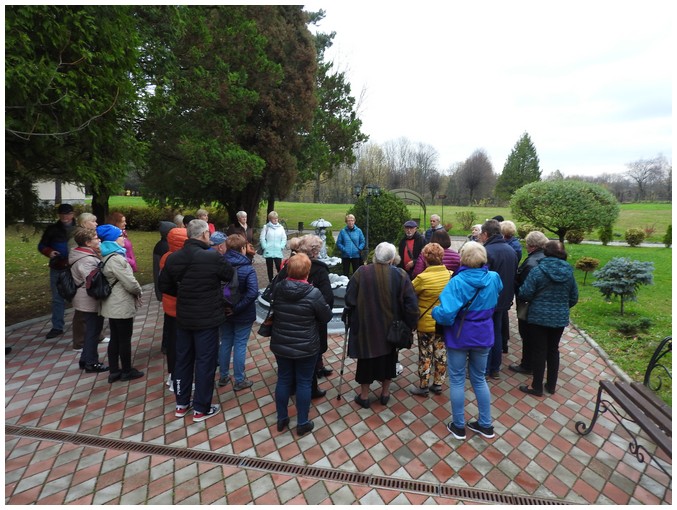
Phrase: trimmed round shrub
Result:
[525,228]
[634,236]
[574,236]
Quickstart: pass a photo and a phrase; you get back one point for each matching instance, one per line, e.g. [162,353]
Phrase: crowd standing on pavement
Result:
[456,302]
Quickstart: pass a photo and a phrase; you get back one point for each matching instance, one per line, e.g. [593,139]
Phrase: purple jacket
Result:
[451,260]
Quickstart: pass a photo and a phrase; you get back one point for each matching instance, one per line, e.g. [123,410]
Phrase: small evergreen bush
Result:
[634,236]
[574,236]
[622,277]
[525,228]
[587,265]
[667,238]
[631,328]
[606,234]
[467,219]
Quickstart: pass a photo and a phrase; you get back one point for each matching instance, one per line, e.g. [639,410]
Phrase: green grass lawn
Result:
[655,215]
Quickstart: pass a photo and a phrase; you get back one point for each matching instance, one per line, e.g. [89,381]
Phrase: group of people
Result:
[457,302]
[80,246]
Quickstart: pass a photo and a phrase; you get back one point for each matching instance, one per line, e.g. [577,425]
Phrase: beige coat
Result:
[122,302]
[83,261]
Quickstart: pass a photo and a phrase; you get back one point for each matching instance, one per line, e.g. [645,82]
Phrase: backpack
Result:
[97,284]
[65,284]
[231,291]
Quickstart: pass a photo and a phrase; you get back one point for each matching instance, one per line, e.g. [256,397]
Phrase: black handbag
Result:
[399,335]
[266,328]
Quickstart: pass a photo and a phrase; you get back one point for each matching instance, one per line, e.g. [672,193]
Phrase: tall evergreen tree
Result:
[336,129]
[70,98]
[521,167]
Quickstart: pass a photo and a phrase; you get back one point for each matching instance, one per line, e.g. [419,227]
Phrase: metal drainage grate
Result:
[120,444]
[433,489]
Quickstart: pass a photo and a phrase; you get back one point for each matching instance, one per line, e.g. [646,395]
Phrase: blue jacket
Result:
[244,310]
[478,327]
[515,244]
[550,289]
[350,242]
[55,238]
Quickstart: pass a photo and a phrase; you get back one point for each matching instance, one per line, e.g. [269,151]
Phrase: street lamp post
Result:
[442,197]
[370,190]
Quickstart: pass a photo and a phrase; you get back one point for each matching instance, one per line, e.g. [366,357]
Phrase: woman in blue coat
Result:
[551,290]
[350,243]
[466,308]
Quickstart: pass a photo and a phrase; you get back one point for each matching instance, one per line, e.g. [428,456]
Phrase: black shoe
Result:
[7,350]
[53,333]
[324,372]
[283,424]
[384,399]
[132,374]
[362,403]
[96,368]
[81,364]
[549,390]
[114,376]
[436,389]
[520,369]
[530,391]
[305,428]
[318,393]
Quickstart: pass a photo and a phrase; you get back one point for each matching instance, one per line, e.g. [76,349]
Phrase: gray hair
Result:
[240,214]
[310,244]
[272,214]
[178,219]
[84,217]
[508,228]
[202,212]
[435,217]
[536,239]
[384,253]
[196,228]
[473,254]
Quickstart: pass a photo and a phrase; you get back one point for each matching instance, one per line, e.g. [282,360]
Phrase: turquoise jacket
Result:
[273,240]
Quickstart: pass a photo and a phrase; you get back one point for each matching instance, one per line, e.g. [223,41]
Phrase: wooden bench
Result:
[641,406]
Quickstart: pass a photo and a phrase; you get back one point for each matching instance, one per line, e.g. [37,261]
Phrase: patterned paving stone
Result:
[536,451]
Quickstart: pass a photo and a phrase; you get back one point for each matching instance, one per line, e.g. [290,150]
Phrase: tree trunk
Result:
[57,192]
[100,206]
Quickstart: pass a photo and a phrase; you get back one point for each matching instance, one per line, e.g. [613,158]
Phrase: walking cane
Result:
[346,316]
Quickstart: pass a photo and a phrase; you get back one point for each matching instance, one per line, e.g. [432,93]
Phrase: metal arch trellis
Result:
[409,196]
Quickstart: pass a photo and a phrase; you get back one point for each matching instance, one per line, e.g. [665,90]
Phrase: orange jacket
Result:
[175,239]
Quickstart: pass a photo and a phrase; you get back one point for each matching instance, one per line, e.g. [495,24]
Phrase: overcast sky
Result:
[590,81]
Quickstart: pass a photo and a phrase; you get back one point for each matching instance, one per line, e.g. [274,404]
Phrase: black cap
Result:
[64,209]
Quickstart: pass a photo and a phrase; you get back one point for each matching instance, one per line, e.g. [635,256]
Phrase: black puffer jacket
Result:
[194,275]
[298,312]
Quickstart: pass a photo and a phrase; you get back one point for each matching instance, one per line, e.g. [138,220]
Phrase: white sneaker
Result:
[399,369]
[77,350]
[170,383]
[105,340]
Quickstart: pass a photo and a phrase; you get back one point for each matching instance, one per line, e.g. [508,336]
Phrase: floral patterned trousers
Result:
[432,357]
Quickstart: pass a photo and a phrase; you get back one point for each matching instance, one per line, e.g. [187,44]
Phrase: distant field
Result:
[656,215]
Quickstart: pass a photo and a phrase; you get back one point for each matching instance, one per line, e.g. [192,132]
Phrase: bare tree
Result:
[434,183]
[645,172]
[475,178]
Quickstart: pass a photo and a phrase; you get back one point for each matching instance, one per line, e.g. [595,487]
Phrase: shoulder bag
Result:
[399,335]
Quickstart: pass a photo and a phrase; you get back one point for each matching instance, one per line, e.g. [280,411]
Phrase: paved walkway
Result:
[71,438]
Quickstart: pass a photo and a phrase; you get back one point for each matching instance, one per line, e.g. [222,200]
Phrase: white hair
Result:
[384,253]
[196,228]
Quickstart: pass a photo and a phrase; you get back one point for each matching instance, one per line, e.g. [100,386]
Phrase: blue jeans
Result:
[58,303]
[288,371]
[496,356]
[476,359]
[234,338]
[196,352]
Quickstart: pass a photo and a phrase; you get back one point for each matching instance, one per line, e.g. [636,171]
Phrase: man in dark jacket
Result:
[503,260]
[54,245]
[410,247]
[535,243]
[194,275]
[160,248]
